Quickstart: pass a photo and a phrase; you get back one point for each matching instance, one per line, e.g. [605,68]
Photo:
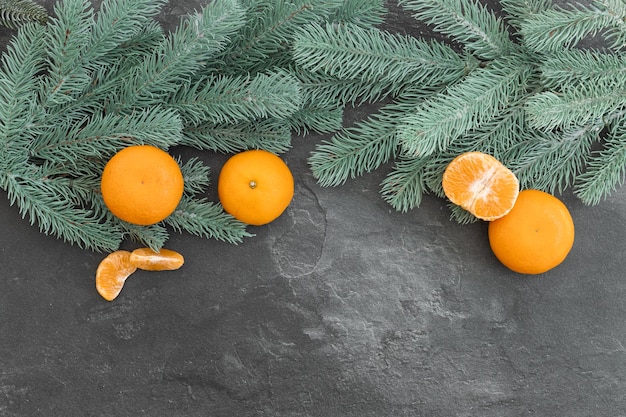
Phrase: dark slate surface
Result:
[342,307]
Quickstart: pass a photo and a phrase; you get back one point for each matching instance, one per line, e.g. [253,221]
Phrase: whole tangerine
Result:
[142,184]
[535,236]
[255,186]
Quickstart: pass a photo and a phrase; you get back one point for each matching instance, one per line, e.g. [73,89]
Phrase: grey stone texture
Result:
[342,307]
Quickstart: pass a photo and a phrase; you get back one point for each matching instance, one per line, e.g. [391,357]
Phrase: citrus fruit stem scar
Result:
[253,184]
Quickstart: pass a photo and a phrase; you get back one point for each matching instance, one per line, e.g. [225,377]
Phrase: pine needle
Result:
[606,169]
[526,95]
[576,105]
[466,21]
[16,13]
[228,99]
[38,198]
[373,56]
[365,146]
[365,13]
[404,187]
[271,135]
[575,67]
[557,28]
[205,219]
[462,107]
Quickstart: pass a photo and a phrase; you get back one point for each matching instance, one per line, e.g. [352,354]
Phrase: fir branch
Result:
[576,105]
[323,100]
[101,136]
[324,91]
[551,161]
[349,155]
[518,11]
[557,28]
[67,37]
[573,67]
[498,135]
[404,186]
[364,146]
[185,52]
[466,21]
[265,40]
[437,163]
[118,22]
[462,107]
[21,62]
[375,57]
[272,135]
[153,236]
[616,32]
[82,189]
[195,175]
[606,168]
[92,48]
[316,117]
[205,219]
[228,99]
[137,46]
[364,13]
[15,13]
[39,198]
[101,93]
[537,109]
[334,74]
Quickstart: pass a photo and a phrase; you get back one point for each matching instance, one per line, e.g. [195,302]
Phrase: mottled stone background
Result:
[342,307]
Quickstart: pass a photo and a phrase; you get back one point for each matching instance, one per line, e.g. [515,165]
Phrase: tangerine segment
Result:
[255,186]
[142,184]
[163,260]
[536,236]
[480,184]
[112,273]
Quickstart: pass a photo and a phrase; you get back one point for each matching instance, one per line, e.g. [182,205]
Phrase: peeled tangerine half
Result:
[481,184]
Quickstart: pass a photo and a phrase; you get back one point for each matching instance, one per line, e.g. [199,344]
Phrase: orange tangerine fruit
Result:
[163,260]
[255,186]
[112,273]
[142,184]
[480,184]
[535,236]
